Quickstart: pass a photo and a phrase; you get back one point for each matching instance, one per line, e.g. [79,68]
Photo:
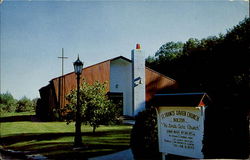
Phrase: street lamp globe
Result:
[78,65]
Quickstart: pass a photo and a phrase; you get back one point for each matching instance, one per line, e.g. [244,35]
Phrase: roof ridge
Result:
[160,74]
[112,59]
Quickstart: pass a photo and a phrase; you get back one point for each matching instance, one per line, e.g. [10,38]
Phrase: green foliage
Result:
[150,59]
[170,51]
[191,45]
[7,103]
[218,65]
[96,108]
[25,105]
[144,135]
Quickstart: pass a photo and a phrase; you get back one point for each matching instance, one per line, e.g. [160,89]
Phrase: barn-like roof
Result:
[116,58]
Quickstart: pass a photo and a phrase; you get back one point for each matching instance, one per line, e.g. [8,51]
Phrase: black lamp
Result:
[78,65]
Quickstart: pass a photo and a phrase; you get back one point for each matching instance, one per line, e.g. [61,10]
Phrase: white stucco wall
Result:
[138,76]
[120,81]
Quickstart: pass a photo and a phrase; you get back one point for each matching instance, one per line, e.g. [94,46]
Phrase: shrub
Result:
[7,103]
[24,105]
[144,136]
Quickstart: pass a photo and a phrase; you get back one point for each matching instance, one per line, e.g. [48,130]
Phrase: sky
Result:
[34,32]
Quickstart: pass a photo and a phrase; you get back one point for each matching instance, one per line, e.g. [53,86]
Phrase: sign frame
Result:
[181,130]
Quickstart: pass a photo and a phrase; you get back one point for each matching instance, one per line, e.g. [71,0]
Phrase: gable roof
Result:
[126,59]
[113,59]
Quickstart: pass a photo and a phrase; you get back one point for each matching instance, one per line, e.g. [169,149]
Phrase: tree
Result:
[170,50]
[96,108]
[190,45]
[24,105]
[34,103]
[150,59]
[167,55]
[7,102]
[219,66]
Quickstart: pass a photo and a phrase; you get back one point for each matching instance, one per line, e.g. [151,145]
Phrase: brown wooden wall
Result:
[54,95]
[157,83]
[47,103]
[98,72]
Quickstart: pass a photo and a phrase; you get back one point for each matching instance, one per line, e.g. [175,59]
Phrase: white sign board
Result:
[181,130]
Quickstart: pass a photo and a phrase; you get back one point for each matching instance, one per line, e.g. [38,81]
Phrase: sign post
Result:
[181,126]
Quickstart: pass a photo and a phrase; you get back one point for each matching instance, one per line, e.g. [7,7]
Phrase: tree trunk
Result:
[94,128]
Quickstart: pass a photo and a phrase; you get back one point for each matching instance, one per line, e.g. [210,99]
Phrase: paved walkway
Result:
[17,155]
[122,155]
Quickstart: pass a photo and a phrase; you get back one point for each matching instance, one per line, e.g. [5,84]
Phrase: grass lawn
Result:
[55,139]
[7,114]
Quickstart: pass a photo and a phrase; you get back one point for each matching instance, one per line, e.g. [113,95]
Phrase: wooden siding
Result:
[50,99]
[157,83]
[47,103]
[98,72]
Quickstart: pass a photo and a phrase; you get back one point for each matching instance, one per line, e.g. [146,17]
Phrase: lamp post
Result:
[78,65]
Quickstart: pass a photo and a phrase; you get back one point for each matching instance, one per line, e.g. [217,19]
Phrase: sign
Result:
[181,130]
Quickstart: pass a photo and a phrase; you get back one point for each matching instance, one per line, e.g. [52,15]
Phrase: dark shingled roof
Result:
[181,99]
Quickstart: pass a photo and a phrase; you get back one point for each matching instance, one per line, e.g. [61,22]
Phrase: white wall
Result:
[138,80]
[120,81]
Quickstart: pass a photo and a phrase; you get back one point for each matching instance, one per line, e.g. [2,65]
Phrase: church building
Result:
[128,81]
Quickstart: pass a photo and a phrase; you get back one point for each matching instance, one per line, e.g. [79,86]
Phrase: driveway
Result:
[122,155]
